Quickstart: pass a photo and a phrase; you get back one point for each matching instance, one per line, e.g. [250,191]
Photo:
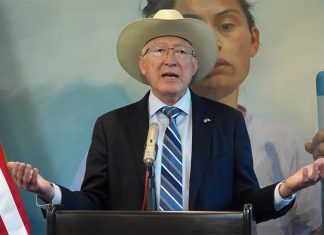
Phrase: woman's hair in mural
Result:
[154,6]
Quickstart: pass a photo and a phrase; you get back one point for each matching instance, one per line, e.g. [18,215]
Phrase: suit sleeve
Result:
[94,190]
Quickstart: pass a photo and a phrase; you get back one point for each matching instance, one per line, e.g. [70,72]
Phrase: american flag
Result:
[13,218]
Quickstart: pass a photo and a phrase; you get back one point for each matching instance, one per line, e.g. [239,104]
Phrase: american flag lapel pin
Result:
[206,120]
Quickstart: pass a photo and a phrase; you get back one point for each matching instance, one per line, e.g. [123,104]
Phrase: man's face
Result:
[168,74]
[237,44]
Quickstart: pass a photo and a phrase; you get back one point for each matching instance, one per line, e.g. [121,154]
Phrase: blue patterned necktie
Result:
[171,169]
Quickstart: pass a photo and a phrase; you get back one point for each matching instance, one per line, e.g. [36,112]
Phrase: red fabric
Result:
[14,192]
[145,189]
[3,230]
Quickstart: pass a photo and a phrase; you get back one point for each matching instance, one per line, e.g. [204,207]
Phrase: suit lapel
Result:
[201,138]
[138,124]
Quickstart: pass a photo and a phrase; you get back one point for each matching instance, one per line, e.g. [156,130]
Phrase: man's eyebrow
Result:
[219,14]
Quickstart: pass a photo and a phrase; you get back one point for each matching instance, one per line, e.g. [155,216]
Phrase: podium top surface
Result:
[138,222]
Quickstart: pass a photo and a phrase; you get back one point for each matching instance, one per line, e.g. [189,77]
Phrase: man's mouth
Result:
[170,75]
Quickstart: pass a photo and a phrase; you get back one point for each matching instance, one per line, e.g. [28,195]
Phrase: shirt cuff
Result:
[280,202]
[55,201]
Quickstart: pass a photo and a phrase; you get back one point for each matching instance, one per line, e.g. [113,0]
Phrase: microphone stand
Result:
[151,195]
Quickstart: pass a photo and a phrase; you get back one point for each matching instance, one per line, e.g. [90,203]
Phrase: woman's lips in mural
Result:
[221,62]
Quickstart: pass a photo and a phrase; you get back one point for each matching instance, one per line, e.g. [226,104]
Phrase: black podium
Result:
[138,222]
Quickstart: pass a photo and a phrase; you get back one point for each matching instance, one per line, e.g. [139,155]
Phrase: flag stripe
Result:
[12,209]
[3,230]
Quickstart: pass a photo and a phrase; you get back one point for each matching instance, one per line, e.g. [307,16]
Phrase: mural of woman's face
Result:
[237,44]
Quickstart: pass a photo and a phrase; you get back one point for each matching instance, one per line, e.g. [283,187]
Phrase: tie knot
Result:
[171,112]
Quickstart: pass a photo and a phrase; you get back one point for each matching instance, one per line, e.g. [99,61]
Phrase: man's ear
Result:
[141,64]
[195,64]
[255,41]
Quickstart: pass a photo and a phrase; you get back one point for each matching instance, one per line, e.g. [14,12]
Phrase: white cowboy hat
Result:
[166,23]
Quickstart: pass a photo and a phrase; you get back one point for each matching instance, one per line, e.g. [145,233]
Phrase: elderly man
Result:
[204,157]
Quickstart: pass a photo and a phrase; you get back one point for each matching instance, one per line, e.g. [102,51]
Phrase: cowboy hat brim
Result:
[134,37]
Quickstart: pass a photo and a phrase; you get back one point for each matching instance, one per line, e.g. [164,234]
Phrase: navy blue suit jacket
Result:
[221,177]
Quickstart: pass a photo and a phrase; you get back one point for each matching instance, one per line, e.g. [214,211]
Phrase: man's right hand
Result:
[27,177]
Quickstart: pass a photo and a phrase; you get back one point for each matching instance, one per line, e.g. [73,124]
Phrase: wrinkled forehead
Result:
[168,40]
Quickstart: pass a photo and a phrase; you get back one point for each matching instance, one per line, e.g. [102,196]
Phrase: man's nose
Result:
[170,57]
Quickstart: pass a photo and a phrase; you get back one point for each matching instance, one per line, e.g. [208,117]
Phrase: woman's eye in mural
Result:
[225,27]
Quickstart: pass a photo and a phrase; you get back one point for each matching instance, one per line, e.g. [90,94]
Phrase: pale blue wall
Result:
[58,72]
[281,84]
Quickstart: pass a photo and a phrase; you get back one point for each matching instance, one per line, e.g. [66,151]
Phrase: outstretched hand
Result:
[309,174]
[27,178]
[304,177]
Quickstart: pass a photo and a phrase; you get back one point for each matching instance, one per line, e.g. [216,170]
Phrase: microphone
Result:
[151,144]
[320,99]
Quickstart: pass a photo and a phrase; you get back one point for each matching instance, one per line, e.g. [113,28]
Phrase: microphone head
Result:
[151,144]
[320,84]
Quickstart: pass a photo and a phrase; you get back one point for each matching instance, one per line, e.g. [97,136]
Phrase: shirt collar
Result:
[155,104]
